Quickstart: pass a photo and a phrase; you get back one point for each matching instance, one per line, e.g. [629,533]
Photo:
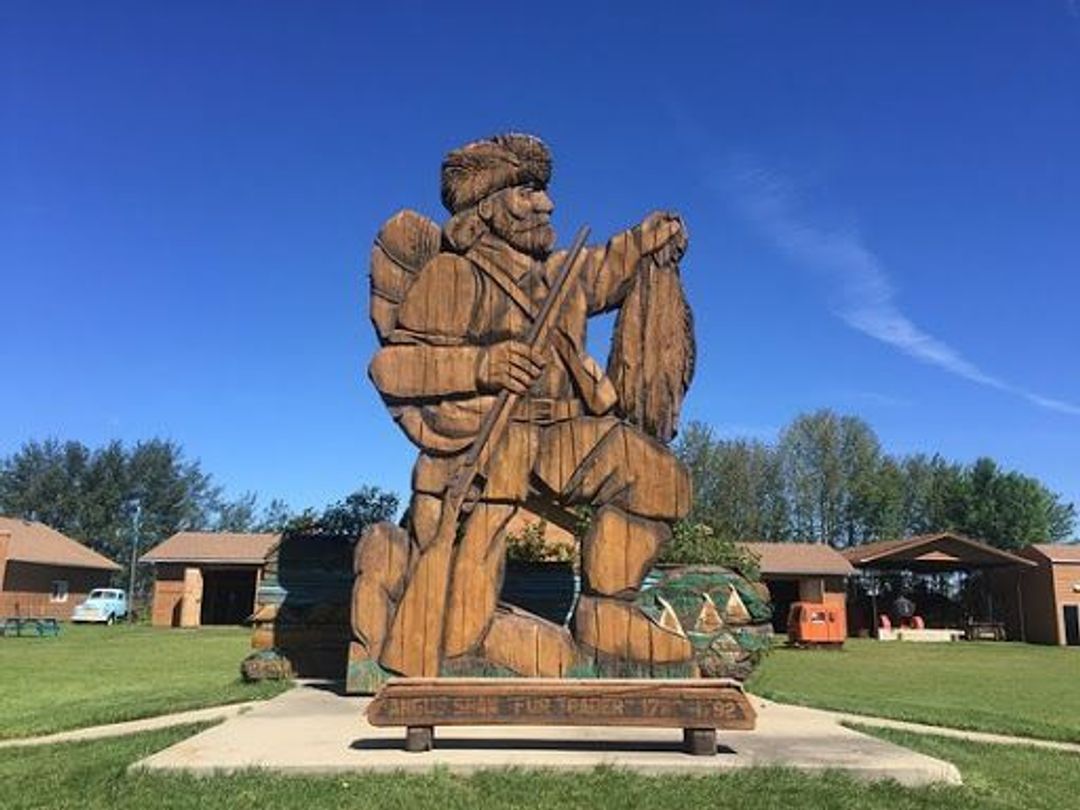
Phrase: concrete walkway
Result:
[135,726]
[312,730]
[231,710]
[955,733]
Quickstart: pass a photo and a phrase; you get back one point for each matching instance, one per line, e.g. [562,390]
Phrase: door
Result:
[191,601]
[228,596]
[1072,625]
[783,592]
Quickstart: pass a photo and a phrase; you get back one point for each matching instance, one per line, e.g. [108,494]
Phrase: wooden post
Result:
[699,742]
[419,738]
[258,582]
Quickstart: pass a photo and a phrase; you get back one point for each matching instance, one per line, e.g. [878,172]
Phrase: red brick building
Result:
[44,574]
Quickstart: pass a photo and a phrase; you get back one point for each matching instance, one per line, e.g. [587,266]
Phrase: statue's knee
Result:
[424,513]
[381,564]
[661,486]
[618,551]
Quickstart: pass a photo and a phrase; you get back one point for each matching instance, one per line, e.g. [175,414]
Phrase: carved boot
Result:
[617,553]
[522,643]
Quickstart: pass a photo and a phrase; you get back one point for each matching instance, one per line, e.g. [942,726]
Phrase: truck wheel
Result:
[110,620]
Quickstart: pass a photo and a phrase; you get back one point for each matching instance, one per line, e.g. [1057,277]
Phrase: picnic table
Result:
[984,631]
[19,626]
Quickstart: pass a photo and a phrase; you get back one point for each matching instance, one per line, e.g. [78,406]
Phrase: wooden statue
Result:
[483,365]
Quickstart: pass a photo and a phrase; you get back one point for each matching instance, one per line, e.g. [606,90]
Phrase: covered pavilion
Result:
[956,585]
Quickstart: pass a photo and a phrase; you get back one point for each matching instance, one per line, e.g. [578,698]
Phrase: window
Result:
[59,591]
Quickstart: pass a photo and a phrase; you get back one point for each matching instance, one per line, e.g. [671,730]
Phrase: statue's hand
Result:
[511,364]
[663,236]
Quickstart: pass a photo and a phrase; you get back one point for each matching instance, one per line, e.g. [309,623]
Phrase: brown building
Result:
[802,572]
[44,574]
[207,577]
[1051,594]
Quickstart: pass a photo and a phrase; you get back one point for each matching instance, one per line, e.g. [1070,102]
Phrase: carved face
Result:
[521,215]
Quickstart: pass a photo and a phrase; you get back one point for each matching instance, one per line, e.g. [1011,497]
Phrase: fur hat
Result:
[483,167]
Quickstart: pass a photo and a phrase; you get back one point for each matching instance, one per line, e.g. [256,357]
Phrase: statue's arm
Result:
[610,268]
[419,371]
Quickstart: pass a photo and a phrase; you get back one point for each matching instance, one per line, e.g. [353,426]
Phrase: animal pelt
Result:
[652,351]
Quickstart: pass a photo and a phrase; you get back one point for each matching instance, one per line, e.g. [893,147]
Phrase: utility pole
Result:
[134,555]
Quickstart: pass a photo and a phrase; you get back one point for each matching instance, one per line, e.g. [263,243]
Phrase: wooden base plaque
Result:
[699,707]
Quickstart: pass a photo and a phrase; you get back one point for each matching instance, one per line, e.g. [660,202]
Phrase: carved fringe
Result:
[652,351]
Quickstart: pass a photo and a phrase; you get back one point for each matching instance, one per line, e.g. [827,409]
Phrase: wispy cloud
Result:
[865,298]
[878,398]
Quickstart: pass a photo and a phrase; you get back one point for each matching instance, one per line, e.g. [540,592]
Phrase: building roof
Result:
[1057,552]
[811,559]
[33,542]
[929,552]
[213,547]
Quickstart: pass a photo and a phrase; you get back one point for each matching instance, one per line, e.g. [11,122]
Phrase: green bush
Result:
[698,544]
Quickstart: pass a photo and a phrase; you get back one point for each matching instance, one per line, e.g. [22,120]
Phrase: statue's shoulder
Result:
[403,246]
[415,283]
[442,299]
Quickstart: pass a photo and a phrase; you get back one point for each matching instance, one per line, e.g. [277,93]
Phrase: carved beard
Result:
[531,235]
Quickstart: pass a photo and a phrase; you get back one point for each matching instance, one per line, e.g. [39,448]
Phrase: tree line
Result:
[117,496]
[826,479]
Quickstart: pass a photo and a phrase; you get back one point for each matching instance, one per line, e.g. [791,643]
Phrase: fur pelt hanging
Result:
[652,350]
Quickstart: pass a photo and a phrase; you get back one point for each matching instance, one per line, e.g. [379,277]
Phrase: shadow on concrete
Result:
[334,687]
[529,744]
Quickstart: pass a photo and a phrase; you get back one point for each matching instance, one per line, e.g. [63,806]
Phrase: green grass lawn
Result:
[93,774]
[95,674]
[1021,689]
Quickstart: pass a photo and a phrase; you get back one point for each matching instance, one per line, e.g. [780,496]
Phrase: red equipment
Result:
[812,624]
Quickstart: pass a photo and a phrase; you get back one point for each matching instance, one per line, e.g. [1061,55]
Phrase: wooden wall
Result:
[168,593]
[1045,590]
[1065,576]
[5,544]
[28,586]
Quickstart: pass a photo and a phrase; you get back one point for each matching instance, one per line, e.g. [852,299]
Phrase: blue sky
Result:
[883,201]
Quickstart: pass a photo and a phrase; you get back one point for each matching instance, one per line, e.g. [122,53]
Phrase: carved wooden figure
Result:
[482,326]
